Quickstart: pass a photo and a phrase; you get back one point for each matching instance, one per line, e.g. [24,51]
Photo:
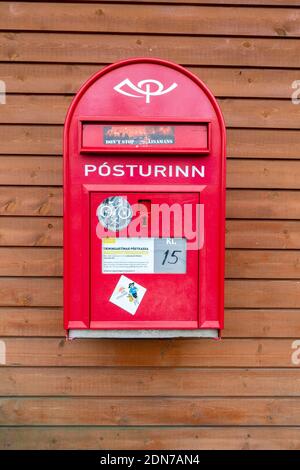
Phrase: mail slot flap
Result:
[144,137]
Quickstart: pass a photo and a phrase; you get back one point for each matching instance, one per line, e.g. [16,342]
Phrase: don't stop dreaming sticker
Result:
[128,295]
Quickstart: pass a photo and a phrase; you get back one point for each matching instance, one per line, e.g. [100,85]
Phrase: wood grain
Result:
[257,264]
[154,437]
[27,231]
[31,140]
[239,323]
[262,204]
[241,203]
[31,262]
[223,81]
[156,382]
[240,264]
[139,411]
[240,352]
[47,231]
[207,2]
[261,323]
[241,173]
[185,19]
[24,321]
[245,113]
[268,234]
[241,143]
[23,291]
[263,143]
[200,2]
[239,293]
[30,200]
[69,48]
[251,173]
[21,170]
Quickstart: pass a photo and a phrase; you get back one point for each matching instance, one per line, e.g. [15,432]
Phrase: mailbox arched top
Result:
[146,89]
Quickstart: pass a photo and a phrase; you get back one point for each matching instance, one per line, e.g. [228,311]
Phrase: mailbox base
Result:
[205,333]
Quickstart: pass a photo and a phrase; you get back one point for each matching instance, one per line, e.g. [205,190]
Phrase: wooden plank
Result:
[261,323]
[241,173]
[139,411]
[118,18]
[69,47]
[257,264]
[30,200]
[43,292]
[231,82]
[153,353]
[251,264]
[31,170]
[199,2]
[267,234]
[35,109]
[156,382]
[52,109]
[159,438]
[262,294]
[24,321]
[31,140]
[205,2]
[260,113]
[241,143]
[241,203]
[267,143]
[31,231]
[261,204]
[239,323]
[31,262]
[270,174]
[47,231]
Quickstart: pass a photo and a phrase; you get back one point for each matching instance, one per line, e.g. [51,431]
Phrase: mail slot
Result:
[144,199]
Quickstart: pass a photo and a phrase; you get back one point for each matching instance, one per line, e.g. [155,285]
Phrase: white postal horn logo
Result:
[147,88]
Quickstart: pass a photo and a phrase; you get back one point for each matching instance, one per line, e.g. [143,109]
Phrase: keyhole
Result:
[145,211]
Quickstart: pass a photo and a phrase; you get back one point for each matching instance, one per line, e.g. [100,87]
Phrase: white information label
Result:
[127,255]
[144,255]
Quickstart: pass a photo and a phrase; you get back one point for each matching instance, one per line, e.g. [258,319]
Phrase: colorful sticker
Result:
[138,135]
[128,295]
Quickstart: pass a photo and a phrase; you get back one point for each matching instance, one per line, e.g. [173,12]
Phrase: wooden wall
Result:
[240,393]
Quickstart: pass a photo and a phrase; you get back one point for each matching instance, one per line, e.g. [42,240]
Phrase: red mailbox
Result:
[144,203]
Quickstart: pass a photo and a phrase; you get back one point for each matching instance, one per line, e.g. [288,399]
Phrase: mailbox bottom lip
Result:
[142,334]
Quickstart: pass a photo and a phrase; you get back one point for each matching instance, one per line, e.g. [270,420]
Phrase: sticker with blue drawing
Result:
[128,295]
